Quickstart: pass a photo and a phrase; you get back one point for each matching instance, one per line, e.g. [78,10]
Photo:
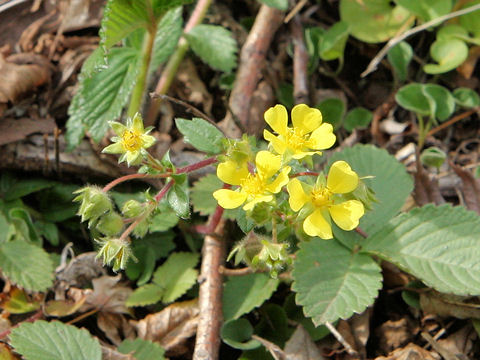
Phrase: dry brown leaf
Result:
[301,346]
[170,327]
[112,354]
[470,188]
[6,353]
[60,308]
[115,327]
[426,189]
[18,80]
[466,69]
[12,130]
[446,305]
[460,342]
[409,352]
[360,327]
[393,334]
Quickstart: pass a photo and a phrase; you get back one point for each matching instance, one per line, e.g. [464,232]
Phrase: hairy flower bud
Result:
[114,252]
[132,208]
[110,224]
[94,203]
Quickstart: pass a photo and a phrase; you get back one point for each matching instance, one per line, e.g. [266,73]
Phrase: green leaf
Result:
[142,349]
[168,33]
[357,118]
[333,282]
[201,134]
[26,265]
[4,228]
[466,97]
[145,295]
[163,221]
[278,4]
[412,97]
[399,57]
[120,18]
[202,196]
[427,9]
[333,41]
[332,110]
[439,245]
[387,174]
[24,187]
[49,231]
[448,53]
[242,294]
[215,45]
[471,21]
[54,340]
[55,203]
[161,6]
[238,334]
[24,228]
[101,97]
[178,199]
[443,99]
[374,21]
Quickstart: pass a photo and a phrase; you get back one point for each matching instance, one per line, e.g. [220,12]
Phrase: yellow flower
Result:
[131,140]
[324,203]
[253,188]
[307,136]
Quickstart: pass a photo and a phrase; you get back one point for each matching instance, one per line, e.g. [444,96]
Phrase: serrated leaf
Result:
[399,57]
[145,295]
[161,6]
[179,200]
[439,245]
[102,96]
[215,45]
[242,294]
[26,265]
[334,282]
[142,349]
[387,173]
[54,340]
[120,18]
[202,199]
[201,134]
[176,275]
[277,4]
[168,33]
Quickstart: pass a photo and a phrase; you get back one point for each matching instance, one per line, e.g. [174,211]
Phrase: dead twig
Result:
[351,351]
[252,62]
[210,297]
[372,66]
[300,63]
[453,120]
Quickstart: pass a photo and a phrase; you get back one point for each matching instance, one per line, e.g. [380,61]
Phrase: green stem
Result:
[421,132]
[141,81]
[170,70]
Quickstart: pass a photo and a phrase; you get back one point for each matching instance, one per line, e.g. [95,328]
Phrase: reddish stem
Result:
[305,173]
[119,180]
[361,232]
[196,166]
[214,219]
[164,190]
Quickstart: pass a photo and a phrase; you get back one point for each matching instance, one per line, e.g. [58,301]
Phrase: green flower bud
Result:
[94,203]
[132,208]
[110,224]
[115,252]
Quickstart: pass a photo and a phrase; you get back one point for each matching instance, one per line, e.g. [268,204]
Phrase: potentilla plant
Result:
[325,230]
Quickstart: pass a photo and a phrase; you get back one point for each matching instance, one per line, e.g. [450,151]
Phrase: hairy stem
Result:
[141,81]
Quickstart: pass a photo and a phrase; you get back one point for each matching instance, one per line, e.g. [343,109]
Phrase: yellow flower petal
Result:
[305,118]
[322,138]
[297,197]
[278,145]
[281,180]
[301,154]
[267,164]
[229,199]
[117,127]
[277,118]
[115,148]
[137,123]
[229,172]
[346,215]
[147,141]
[316,225]
[250,204]
[341,178]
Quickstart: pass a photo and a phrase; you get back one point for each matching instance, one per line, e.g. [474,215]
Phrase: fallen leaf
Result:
[16,301]
[470,188]
[446,305]
[6,353]
[460,342]
[60,308]
[426,189]
[301,346]
[112,354]
[394,334]
[467,67]
[115,327]
[409,352]
[170,327]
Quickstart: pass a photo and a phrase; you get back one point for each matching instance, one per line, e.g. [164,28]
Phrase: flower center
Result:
[295,139]
[321,197]
[253,184]
[132,140]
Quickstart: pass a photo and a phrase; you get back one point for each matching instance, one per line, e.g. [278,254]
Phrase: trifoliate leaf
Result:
[437,244]
[242,294]
[215,45]
[26,265]
[54,340]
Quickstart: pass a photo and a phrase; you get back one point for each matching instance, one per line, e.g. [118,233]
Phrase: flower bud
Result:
[114,252]
[94,203]
[132,208]
[110,224]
